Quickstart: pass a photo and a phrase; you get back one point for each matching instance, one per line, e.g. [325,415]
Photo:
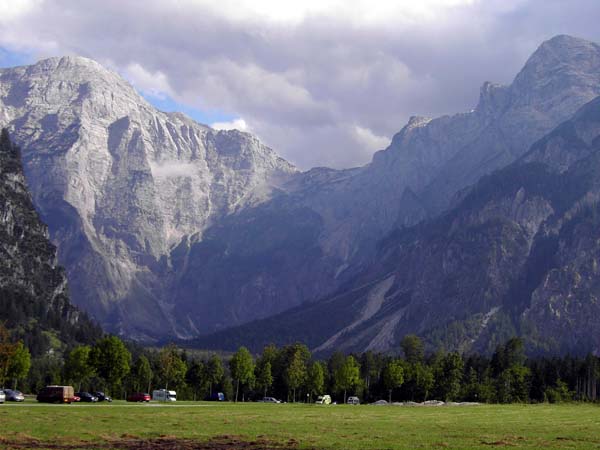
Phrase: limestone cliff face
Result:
[121,184]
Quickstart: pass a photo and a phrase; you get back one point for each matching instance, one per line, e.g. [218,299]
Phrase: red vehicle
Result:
[138,397]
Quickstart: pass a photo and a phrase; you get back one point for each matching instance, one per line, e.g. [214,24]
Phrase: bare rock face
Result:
[121,184]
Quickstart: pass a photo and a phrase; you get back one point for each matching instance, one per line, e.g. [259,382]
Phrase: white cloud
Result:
[172,169]
[369,140]
[356,11]
[155,84]
[236,124]
[11,9]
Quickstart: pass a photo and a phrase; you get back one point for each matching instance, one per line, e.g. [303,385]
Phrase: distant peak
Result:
[562,47]
[565,40]
[558,58]
[70,61]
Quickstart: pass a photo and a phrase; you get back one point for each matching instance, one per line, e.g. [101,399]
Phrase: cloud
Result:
[369,140]
[151,84]
[11,10]
[323,82]
[172,169]
[236,124]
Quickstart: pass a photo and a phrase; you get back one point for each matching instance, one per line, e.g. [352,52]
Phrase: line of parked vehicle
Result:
[66,394]
[321,400]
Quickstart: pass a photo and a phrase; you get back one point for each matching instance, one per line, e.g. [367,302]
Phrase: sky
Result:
[323,82]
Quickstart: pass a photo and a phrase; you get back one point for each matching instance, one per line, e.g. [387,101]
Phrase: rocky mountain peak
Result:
[122,184]
[563,63]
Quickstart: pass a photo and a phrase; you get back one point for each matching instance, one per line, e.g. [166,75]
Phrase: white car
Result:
[270,400]
[353,401]
[2,396]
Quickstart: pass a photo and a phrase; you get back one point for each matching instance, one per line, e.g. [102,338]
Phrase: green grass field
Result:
[258,426]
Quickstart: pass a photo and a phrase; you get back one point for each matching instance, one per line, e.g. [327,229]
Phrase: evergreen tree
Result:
[413,349]
[196,377]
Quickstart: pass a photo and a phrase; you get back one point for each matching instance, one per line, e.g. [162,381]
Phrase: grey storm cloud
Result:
[327,86]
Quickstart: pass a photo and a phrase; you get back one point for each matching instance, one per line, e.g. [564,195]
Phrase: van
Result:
[216,397]
[56,394]
[353,401]
[323,400]
[162,395]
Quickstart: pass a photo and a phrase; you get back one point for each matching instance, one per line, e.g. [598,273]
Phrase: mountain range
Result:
[465,230]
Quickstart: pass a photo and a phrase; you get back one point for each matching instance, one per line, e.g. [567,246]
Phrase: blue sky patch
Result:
[9,58]
[207,116]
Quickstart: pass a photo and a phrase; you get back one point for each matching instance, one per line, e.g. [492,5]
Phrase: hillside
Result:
[34,301]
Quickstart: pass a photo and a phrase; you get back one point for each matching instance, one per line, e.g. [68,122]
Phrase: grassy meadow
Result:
[259,426]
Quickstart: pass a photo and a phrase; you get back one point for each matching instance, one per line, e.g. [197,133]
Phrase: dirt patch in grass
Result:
[126,442]
[498,443]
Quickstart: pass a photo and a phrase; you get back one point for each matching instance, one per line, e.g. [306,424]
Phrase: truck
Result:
[56,394]
[163,395]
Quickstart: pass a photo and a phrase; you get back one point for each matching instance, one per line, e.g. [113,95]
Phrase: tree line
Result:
[291,373]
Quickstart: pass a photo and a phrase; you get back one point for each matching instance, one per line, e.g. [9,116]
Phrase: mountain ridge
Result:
[190,230]
[517,255]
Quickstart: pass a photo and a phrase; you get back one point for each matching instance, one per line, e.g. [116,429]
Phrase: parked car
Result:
[216,397]
[353,401]
[270,400]
[138,397]
[162,395]
[56,394]
[102,397]
[13,396]
[86,397]
[2,396]
[324,400]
